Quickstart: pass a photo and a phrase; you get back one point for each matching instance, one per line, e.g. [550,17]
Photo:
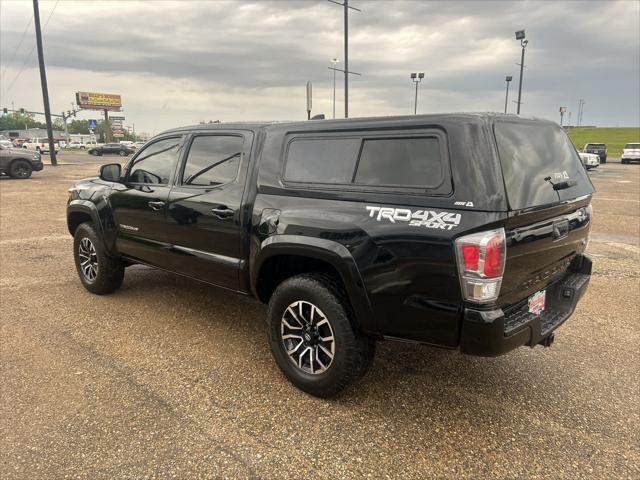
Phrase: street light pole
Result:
[520,35]
[346,7]
[508,79]
[346,58]
[334,62]
[417,78]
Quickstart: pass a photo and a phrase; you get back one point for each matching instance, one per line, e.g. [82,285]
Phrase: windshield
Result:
[536,156]
[595,145]
[632,146]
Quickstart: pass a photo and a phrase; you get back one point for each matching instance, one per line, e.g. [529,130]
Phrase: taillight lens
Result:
[481,258]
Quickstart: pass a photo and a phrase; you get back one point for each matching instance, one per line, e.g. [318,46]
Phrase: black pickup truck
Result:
[463,231]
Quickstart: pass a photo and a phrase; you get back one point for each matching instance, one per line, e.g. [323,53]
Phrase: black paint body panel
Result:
[402,280]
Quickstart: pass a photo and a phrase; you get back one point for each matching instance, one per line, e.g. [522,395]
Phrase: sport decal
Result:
[417,218]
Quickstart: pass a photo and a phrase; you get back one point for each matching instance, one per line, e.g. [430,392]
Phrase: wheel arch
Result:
[283,256]
[81,211]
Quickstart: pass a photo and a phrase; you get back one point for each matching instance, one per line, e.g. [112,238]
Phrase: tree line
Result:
[21,121]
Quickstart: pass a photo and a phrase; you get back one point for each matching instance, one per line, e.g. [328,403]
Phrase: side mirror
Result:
[110,172]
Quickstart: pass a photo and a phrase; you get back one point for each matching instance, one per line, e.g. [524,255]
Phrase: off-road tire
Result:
[20,169]
[110,272]
[353,351]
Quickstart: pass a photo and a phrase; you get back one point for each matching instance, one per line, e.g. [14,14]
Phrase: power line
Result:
[24,64]
[15,52]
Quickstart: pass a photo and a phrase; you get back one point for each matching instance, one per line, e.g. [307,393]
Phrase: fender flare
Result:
[331,252]
[90,208]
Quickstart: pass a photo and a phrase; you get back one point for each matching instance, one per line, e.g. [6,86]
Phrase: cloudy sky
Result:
[177,63]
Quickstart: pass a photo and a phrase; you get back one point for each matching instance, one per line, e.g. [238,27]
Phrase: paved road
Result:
[169,378]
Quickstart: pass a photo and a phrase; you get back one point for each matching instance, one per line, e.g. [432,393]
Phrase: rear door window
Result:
[212,160]
[534,157]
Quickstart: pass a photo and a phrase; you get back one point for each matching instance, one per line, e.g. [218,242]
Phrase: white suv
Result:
[631,153]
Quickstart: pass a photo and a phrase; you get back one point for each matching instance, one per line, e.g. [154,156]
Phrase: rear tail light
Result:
[481,258]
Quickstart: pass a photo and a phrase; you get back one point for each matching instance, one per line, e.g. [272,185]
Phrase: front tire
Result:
[20,169]
[98,272]
[122,153]
[312,337]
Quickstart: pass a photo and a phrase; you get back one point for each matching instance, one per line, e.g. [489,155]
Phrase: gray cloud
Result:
[248,59]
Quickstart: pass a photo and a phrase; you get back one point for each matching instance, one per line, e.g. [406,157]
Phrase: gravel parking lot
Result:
[170,378]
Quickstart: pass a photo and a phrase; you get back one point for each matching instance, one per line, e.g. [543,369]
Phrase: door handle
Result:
[222,212]
[156,205]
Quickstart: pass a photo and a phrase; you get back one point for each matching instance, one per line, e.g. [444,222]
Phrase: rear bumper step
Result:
[495,332]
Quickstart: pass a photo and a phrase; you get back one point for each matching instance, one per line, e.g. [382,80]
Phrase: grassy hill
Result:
[614,138]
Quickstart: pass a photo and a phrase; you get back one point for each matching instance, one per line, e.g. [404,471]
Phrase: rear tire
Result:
[20,169]
[309,309]
[98,272]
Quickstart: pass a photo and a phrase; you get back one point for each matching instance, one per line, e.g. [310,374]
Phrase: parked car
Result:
[138,145]
[111,148]
[18,163]
[6,143]
[589,160]
[631,153]
[352,231]
[40,145]
[79,145]
[599,149]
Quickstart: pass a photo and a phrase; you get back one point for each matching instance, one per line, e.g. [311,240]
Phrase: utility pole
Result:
[346,7]
[107,128]
[43,81]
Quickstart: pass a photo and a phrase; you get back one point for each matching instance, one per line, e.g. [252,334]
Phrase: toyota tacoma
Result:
[461,231]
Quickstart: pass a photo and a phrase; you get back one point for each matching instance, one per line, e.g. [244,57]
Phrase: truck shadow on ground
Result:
[398,368]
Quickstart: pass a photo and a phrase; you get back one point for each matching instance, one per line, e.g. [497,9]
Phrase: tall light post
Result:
[334,62]
[521,36]
[581,103]
[508,79]
[346,71]
[417,78]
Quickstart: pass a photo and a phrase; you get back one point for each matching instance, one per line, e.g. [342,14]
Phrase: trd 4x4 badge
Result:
[417,218]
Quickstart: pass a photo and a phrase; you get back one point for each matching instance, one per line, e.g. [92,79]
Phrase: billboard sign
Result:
[118,135]
[118,132]
[115,118]
[93,124]
[98,101]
